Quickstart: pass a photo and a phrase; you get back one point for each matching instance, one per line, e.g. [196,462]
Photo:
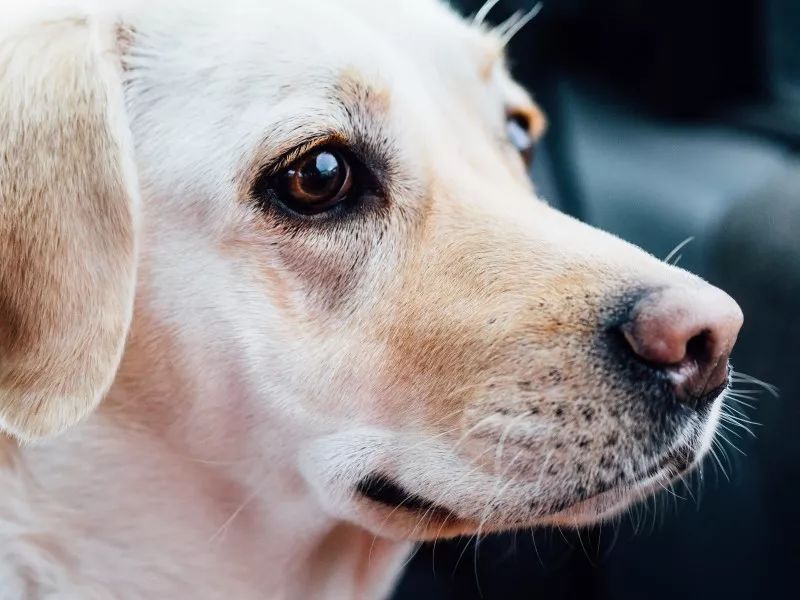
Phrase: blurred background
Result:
[671,120]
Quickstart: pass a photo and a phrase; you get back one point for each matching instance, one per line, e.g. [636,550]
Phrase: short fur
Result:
[255,369]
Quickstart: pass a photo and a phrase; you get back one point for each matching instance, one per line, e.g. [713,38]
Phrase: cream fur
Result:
[258,371]
[68,204]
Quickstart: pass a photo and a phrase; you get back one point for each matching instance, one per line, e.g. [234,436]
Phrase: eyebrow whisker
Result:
[516,23]
[480,16]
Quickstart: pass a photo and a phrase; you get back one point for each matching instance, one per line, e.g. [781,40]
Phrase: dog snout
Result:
[687,334]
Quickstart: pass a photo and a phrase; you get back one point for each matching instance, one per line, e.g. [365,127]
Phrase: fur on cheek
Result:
[33,563]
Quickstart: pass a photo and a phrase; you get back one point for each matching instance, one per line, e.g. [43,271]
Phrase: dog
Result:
[278,300]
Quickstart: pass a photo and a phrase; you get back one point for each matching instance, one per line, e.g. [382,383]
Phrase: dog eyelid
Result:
[300,148]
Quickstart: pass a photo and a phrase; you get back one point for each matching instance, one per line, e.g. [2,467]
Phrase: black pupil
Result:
[319,177]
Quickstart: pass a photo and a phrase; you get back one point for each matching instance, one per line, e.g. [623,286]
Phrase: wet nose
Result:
[688,333]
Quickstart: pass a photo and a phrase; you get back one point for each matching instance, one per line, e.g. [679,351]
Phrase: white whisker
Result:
[743,416]
[713,452]
[729,442]
[733,423]
[516,26]
[498,455]
[728,396]
[739,377]
[732,432]
[674,252]
[483,12]
[465,436]
[725,452]
[224,527]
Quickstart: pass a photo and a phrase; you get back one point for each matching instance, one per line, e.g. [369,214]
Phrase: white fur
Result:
[223,460]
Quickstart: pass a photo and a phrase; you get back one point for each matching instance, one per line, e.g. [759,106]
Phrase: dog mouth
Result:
[401,505]
[384,491]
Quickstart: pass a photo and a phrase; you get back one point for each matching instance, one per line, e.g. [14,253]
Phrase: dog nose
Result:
[688,333]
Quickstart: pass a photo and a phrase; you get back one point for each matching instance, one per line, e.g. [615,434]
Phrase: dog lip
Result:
[674,464]
[704,400]
[383,490]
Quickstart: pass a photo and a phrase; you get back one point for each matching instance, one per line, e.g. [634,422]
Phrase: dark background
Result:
[669,120]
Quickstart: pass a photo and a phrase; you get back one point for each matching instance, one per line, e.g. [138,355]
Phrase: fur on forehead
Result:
[424,37]
[273,68]
[328,31]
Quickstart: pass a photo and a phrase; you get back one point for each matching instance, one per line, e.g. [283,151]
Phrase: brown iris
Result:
[316,182]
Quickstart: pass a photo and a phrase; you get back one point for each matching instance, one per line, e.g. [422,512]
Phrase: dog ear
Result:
[68,221]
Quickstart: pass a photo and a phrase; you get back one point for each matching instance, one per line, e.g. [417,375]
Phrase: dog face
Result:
[344,269]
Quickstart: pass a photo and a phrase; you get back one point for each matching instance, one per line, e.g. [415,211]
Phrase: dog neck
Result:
[160,493]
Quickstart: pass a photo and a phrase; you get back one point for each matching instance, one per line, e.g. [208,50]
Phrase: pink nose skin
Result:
[689,332]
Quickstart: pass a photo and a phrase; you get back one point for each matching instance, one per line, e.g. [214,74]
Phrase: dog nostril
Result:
[688,334]
[697,348]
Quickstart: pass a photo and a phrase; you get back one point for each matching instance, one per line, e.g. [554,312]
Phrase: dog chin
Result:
[438,522]
[607,505]
[397,513]
[392,510]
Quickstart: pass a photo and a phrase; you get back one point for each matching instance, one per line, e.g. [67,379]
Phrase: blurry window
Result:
[784,48]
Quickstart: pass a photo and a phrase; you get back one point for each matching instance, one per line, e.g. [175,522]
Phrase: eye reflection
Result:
[316,182]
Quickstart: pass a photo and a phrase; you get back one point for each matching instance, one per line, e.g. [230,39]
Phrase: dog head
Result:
[343,268]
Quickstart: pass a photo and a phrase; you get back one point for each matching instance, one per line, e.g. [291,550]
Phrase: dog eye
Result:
[315,182]
[518,129]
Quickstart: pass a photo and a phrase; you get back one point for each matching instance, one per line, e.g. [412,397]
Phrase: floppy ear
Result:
[68,206]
